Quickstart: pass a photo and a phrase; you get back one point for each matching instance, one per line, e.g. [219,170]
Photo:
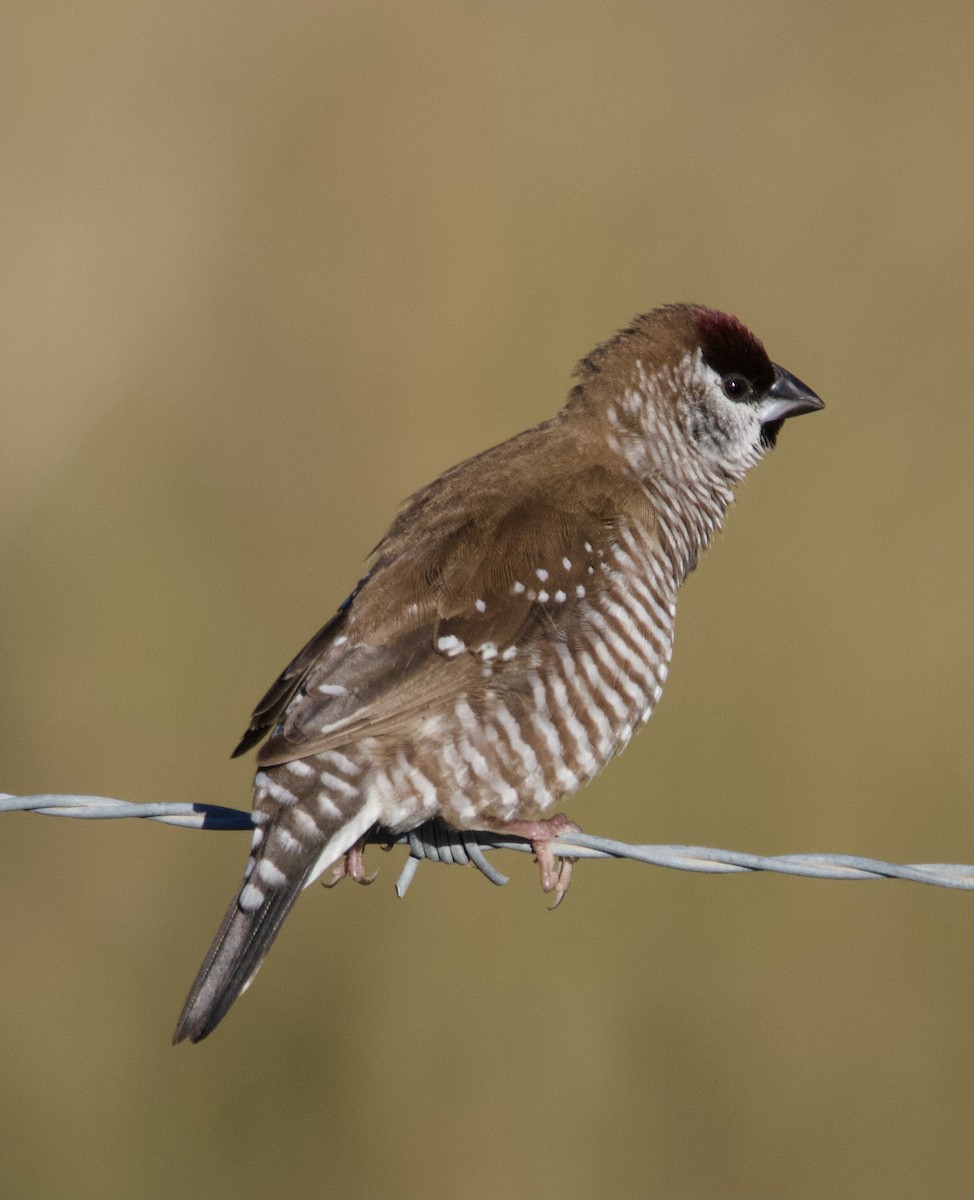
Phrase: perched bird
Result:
[514,627]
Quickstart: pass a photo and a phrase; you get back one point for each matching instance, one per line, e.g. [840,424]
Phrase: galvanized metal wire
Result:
[435,842]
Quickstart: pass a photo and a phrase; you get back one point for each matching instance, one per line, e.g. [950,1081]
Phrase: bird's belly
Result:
[512,753]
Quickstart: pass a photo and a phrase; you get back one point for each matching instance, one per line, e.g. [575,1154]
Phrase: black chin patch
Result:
[769,434]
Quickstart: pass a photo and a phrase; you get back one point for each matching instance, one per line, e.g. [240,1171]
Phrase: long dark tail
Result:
[234,959]
[281,865]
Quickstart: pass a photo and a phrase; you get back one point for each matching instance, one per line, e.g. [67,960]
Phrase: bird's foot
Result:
[351,866]
[555,876]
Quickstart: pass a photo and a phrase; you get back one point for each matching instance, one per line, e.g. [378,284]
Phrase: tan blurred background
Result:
[267,268]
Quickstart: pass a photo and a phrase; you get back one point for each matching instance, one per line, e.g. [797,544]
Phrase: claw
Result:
[555,878]
[351,867]
[563,881]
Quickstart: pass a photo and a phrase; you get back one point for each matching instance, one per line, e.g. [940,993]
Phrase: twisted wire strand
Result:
[436,842]
[188,816]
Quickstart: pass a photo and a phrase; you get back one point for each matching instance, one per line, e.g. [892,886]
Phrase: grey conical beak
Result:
[787,397]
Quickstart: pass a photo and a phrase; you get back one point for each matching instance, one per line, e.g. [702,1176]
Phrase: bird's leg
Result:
[554,878]
[351,867]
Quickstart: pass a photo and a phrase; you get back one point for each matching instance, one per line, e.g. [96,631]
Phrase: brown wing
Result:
[279,695]
[468,575]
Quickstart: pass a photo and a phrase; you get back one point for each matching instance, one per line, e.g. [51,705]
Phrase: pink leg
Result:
[555,878]
[351,867]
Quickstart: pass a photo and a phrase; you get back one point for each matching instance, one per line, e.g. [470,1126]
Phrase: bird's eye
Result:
[736,387]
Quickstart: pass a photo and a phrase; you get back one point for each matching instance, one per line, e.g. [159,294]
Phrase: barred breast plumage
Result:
[515,626]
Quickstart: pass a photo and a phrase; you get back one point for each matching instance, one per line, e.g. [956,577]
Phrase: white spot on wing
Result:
[450,645]
[331,726]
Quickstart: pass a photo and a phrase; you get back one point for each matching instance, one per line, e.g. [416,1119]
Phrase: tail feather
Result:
[281,869]
[234,959]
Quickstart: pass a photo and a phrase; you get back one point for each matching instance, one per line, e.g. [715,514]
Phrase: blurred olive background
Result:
[267,268]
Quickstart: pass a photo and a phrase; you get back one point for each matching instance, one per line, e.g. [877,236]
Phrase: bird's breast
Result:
[542,722]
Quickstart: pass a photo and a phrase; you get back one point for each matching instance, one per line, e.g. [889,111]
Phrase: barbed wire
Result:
[436,842]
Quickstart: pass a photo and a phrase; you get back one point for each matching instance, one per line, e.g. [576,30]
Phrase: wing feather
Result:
[449,590]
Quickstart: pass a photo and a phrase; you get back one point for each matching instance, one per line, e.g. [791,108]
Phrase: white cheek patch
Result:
[726,431]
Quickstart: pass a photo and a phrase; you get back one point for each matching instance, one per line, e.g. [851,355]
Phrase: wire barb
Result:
[436,842]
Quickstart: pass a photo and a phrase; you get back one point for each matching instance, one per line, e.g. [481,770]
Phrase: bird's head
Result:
[687,386]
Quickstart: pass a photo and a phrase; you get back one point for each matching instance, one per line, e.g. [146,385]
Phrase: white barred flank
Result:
[339,762]
[571,703]
[334,784]
[304,824]
[301,823]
